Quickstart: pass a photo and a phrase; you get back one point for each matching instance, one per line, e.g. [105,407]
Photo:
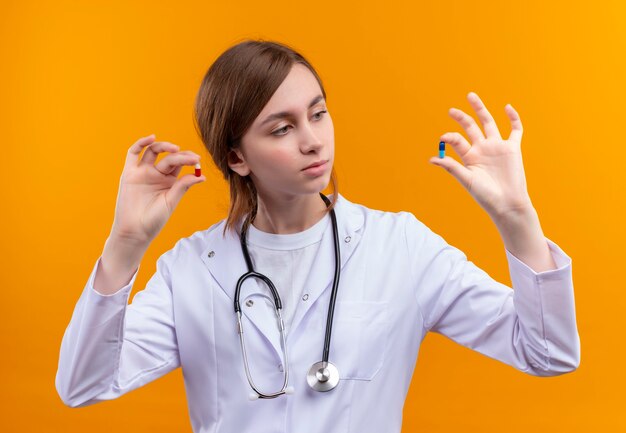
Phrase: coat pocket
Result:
[358,344]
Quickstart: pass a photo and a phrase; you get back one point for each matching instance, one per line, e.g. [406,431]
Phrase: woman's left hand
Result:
[492,169]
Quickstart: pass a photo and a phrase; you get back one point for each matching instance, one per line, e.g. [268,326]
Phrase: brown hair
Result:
[233,92]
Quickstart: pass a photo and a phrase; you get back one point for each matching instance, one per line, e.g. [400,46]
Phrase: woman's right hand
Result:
[148,192]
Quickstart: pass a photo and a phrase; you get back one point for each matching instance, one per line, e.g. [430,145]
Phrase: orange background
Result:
[81,81]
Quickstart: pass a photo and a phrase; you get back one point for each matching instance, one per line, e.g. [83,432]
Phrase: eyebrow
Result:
[284,114]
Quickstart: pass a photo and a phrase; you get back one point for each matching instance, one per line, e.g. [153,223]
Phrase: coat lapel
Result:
[224,259]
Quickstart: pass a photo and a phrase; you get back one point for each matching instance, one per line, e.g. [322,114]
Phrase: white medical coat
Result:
[398,281]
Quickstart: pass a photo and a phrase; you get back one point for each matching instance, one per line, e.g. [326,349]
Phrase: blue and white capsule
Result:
[442,149]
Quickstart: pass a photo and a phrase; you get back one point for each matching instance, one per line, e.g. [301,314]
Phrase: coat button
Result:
[211,254]
[249,302]
[305,297]
[347,239]
[280,368]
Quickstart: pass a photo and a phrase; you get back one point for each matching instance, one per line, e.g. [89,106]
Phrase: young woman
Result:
[358,289]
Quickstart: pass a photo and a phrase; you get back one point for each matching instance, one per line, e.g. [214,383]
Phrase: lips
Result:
[316,164]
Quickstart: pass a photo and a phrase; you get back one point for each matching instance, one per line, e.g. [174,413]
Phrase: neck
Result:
[288,215]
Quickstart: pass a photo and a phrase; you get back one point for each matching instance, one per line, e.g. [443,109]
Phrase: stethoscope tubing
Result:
[333,295]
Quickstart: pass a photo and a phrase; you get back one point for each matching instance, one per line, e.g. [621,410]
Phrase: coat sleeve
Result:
[110,347]
[531,327]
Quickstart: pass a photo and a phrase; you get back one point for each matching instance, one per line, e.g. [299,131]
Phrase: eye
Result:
[284,128]
[319,112]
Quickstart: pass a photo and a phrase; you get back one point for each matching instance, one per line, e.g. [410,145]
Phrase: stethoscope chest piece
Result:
[323,376]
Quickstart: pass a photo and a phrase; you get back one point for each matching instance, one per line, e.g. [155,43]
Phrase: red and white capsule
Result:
[198,170]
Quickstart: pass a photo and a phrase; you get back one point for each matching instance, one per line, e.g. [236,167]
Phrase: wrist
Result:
[517,214]
[121,250]
[127,242]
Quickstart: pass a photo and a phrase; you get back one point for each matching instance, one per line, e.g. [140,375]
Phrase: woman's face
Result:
[293,131]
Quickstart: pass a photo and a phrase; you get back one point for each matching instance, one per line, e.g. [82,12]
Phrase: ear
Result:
[237,163]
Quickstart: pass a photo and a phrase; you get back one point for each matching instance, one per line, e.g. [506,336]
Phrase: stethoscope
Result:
[323,375]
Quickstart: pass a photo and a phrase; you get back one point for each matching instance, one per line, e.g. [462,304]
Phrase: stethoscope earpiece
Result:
[255,396]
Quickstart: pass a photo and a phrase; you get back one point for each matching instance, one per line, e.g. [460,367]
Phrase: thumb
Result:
[455,168]
[181,186]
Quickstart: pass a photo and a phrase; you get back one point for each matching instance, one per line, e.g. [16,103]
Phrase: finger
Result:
[469,125]
[132,157]
[175,160]
[179,168]
[455,168]
[180,187]
[152,151]
[457,141]
[489,125]
[516,124]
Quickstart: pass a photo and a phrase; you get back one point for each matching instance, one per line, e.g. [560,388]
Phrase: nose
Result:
[310,139]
